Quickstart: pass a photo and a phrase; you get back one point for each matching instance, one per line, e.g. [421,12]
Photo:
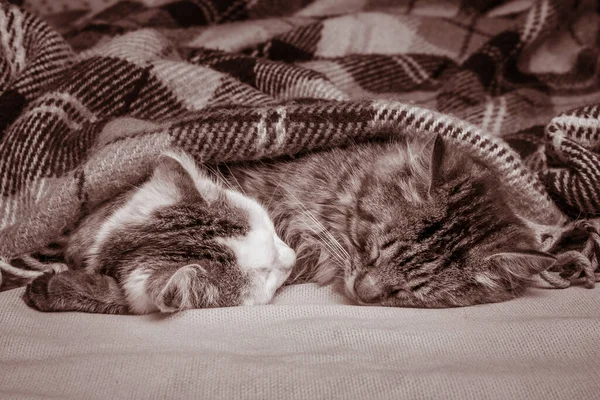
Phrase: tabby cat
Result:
[179,241]
[407,223]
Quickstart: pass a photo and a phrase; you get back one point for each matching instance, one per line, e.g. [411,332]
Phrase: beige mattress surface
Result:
[309,345]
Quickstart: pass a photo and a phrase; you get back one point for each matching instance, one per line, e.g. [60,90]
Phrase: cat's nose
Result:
[369,289]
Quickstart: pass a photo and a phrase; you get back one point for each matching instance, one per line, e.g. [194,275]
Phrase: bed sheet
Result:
[308,344]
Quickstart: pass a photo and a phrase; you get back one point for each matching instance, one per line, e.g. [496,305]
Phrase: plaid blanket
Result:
[92,91]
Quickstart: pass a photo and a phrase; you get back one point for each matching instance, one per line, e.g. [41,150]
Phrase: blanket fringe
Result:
[576,264]
[34,269]
[19,272]
[36,264]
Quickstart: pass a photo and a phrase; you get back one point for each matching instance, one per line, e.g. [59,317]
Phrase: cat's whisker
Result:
[324,234]
[324,240]
[236,180]
[213,173]
[334,245]
[307,212]
[273,194]
[332,249]
[328,234]
[340,250]
[337,243]
[328,241]
[219,176]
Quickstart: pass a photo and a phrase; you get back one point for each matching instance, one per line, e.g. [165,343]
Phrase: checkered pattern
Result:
[91,91]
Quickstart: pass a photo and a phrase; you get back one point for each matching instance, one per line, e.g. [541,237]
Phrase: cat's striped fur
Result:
[404,223]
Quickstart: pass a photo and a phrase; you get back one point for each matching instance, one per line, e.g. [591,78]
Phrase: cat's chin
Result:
[345,286]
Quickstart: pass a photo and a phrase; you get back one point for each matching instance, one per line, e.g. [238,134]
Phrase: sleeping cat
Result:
[409,223]
[179,241]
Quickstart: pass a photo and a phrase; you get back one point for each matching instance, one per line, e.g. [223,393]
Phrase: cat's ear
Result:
[189,287]
[171,171]
[511,268]
[439,156]
[180,170]
[523,263]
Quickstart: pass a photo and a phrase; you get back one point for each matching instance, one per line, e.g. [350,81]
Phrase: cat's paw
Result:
[37,295]
[187,288]
[75,291]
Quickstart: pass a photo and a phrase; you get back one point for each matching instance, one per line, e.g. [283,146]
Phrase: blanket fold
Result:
[84,113]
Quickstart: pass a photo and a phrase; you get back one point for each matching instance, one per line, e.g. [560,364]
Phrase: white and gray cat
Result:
[409,223]
[179,241]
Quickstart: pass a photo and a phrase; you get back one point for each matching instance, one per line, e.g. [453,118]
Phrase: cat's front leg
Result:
[76,291]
